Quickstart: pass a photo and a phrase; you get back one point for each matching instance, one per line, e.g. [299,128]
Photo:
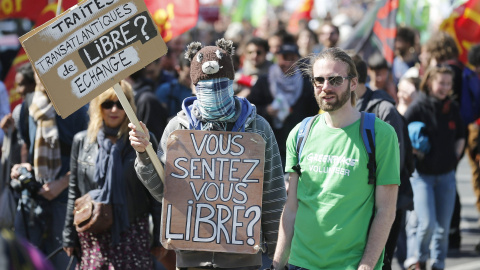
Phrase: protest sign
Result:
[213,191]
[90,47]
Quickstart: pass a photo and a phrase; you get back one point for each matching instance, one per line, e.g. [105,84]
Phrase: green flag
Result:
[416,14]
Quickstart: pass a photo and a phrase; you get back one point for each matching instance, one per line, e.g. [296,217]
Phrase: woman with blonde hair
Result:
[102,167]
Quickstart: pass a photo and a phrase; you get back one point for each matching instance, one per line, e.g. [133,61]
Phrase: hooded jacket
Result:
[274,195]
[383,106]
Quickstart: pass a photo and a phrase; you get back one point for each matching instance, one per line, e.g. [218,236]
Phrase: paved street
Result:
[466,258]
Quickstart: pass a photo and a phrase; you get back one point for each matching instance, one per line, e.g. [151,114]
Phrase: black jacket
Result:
[82,168]
[444,127]
[149,108]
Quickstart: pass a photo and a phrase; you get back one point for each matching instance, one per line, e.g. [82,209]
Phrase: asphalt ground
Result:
[466,258]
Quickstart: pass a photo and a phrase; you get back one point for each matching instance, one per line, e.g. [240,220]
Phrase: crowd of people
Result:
[326,208]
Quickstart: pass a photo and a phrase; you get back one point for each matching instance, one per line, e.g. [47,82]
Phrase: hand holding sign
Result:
[139,139]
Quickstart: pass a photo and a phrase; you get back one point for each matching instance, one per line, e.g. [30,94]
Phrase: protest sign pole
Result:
[59,7]
[133,118]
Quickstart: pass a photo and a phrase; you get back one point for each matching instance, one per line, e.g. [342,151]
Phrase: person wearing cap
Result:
[215,108]
[284,96]
[334,218]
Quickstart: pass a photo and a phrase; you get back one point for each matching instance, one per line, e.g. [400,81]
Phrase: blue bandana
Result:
[215,99]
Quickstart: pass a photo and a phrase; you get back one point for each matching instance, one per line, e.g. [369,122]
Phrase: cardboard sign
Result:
[213,191]
[90,47]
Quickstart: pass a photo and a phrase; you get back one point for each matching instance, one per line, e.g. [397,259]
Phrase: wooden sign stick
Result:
[59,7]
[133,118]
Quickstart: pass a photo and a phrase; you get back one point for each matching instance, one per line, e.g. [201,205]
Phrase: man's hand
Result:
[69,250]
[14,174]
[139,139]
[52,189]
[364,267]
[159,252]
[271,111]
[7,122]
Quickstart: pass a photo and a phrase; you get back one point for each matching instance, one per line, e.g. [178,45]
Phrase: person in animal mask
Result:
[215,108]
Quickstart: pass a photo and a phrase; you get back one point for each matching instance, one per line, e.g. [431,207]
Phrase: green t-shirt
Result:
[335,201]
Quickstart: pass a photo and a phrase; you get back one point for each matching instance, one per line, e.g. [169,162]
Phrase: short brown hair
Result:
[442,47]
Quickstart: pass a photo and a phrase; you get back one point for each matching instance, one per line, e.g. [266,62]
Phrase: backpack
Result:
[367,129]
[405,192]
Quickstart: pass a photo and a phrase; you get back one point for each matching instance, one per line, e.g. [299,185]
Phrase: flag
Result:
[249,10]
[302,13]
[48,12]
[464,26]
[375,33]
[173,17]
[416,14]
[21,9]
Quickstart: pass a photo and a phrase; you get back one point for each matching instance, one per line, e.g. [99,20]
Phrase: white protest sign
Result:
[91,47]
[213,191]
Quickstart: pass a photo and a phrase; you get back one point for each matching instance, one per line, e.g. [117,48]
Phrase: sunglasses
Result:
[333,80]
[257,52]
[107,105]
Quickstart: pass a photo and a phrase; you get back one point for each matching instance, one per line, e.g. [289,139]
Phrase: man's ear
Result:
[354,83]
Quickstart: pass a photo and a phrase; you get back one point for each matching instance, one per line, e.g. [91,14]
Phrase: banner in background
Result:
[302,13]
[47,13]
[464,26]
[89,48]
[173,17]
[416,14]
[21,9]
[375,34]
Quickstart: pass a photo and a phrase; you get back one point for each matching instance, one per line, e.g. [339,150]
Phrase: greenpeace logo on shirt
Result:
[334,160]
[338,162]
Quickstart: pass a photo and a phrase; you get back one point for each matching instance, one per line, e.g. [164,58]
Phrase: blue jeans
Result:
[434,201]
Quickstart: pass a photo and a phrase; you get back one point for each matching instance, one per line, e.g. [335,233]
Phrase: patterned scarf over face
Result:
[46,159]
[215,99]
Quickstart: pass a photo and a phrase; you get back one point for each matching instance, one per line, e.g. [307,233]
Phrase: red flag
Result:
[21,8]
[375,33]
[48,12]
[173,17]
[464,26]
[302,13]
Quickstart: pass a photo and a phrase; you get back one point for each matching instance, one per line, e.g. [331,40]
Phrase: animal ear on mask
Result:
[192,49]
[226,45]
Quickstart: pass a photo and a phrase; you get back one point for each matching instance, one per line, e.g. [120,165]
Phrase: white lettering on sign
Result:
[103,71]
[76,17]
[224,216]
[214,191]
[85,35]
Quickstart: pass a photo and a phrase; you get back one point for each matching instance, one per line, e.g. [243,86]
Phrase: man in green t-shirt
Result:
[327,220]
